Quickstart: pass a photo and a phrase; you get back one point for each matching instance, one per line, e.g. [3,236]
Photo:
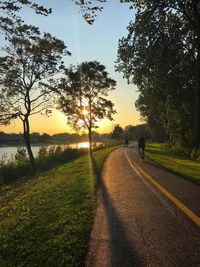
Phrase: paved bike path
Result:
[135,224]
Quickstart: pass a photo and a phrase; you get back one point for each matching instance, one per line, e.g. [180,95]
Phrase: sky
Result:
[86,43]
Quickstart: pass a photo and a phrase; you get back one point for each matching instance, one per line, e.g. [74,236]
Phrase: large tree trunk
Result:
[28,144]
[90,139]
[196,110]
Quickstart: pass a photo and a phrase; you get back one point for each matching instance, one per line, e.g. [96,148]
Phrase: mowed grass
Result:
[47,221]
[177,163]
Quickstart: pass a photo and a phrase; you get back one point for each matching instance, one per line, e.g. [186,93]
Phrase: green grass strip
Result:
[47,221]
[175,162]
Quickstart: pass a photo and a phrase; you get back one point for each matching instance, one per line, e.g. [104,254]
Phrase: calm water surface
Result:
[10,151]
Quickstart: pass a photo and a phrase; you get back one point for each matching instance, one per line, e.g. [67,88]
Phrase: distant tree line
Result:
[59,138]
[132,132]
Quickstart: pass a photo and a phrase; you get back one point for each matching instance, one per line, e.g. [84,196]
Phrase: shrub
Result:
[21,155]
[11,171]
[42,152]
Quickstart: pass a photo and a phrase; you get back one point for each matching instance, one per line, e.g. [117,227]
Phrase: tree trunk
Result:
[196,108]
[90,139]
[28,144]
[90,127]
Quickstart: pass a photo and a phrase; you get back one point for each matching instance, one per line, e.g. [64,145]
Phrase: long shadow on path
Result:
[123,253]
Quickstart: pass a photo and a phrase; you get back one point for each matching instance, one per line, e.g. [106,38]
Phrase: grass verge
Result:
[175,162]
[47,221]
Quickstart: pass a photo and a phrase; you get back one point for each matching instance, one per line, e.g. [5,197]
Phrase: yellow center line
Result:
[178,203]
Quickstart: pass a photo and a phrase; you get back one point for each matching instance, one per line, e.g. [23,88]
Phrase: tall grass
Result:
[18,166]
[11,170]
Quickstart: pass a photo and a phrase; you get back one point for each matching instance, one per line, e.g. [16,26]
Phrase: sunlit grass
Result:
[175,162]
[47,221]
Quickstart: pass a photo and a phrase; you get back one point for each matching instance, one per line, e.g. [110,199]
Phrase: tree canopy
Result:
[161,55]
[9,13]
[117,132]
[27,76]
[84,95]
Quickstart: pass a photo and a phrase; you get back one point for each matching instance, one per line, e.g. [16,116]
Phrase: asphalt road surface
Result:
[136,224]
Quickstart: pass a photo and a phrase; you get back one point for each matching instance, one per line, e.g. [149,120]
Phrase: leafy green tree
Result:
[27,77]
[186,13]
[158,56]
[84,96]
[117,132]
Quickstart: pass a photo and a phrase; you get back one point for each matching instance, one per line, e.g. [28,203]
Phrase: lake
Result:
[10,151]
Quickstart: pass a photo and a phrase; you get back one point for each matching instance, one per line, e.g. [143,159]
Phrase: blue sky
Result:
[85,42]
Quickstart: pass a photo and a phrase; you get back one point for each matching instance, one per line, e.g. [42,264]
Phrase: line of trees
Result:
[16,139]
[29,82]
[161,55]
[132,132]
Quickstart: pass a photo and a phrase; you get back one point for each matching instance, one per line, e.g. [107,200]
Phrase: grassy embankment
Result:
[175,162]
[46,221]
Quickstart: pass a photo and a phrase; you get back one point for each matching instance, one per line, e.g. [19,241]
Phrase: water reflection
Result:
[10,151]
[83,145]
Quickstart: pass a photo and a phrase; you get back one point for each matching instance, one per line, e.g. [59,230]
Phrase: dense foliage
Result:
[27,76]
[161,55]
[84,91]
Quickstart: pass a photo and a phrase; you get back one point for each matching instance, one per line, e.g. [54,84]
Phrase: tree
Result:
[9,12]
[27,77]
[133,132]
[117,132]
[188,13]
[157,56]
[84,92]
[90,9]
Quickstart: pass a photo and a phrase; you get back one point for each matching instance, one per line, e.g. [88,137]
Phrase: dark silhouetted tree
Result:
[27,77]
[175,21]
[117,132]
[84,96]
[9,12]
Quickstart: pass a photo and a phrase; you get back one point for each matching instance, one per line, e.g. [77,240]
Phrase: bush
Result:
[56,155]
[42,152]
[11,171]
[21,155]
